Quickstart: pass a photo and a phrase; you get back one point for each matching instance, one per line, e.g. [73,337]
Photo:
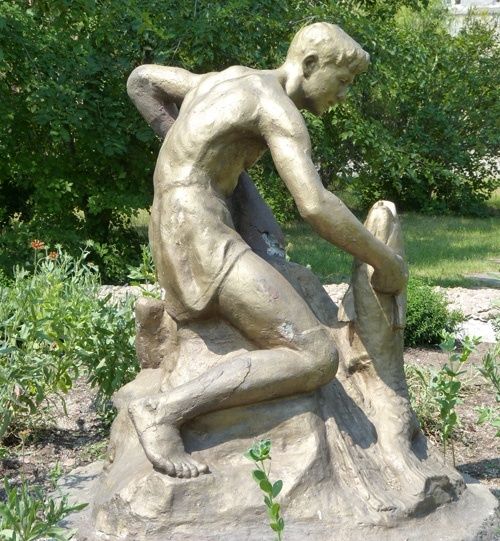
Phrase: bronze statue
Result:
[247,345]
[226,121]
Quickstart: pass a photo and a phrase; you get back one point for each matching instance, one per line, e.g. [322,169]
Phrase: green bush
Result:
[121,246]
[419,127]
[427,316]
[422,126]
[53,326]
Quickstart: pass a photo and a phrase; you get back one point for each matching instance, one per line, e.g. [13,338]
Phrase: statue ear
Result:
[309,65]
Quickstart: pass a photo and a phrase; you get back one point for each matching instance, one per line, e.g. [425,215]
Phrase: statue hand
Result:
[392,277]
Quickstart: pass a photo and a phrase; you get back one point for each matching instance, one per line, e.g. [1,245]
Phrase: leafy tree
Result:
[425,131]
[77,160]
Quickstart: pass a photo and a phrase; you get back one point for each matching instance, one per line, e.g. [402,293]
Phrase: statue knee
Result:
[329,362]
[324,357]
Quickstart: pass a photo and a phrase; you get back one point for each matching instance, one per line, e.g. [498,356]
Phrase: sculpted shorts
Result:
[195,245]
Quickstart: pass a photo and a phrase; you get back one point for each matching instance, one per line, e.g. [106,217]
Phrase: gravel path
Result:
[479,304]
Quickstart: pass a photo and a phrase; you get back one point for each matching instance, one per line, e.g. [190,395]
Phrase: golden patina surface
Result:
[215,126]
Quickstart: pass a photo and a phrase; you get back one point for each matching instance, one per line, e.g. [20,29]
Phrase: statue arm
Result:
[158,92]
[289,143]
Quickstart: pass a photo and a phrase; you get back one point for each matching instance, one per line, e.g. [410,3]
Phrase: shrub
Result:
[28,514]
[111,250]
[427,316]
[434,395]
[53,325]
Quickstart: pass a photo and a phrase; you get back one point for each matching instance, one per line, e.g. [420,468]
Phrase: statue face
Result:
[325,85]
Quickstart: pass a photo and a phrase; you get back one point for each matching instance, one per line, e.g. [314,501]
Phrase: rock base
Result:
[353,460]
[474,517]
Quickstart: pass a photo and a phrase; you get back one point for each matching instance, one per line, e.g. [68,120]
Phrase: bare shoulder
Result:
[240,88]
[262,91]
[279,116]
[234,78]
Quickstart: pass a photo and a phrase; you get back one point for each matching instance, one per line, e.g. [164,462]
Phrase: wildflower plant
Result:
[490,370]
[447,385]
[28,514]
[53,327]
[260,455]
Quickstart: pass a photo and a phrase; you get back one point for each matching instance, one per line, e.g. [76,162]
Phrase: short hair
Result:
[331,44]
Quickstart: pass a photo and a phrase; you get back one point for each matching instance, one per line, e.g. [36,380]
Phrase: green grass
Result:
[440,249]
[443,249]
[494,201]
[306,247]
[140,221]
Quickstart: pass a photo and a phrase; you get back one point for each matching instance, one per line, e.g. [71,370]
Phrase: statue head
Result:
[325,61]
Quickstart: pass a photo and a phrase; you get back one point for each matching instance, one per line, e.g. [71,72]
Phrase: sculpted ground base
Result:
[471,518]
[353,461]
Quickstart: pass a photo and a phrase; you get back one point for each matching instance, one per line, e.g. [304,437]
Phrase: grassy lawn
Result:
[440,249]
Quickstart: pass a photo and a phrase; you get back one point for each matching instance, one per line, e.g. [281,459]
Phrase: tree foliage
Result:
[77,159]
[424,128]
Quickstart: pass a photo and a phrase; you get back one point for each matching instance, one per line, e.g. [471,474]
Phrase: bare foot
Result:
[162,442]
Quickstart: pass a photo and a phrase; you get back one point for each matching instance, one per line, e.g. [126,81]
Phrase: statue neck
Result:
[290,76]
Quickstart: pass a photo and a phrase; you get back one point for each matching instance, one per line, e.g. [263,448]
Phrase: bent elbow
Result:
[312,209]
[136,81]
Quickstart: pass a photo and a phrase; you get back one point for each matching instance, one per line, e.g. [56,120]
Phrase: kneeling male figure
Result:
[226,121]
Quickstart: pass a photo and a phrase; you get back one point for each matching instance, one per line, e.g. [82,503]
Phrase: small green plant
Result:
[446,384]
[434,395]
[259,454]
[490,415]
[491,372]
[27,514]
[145,272]
[428,316]
[422,397]
[491,369]
[94,451]
[55,473]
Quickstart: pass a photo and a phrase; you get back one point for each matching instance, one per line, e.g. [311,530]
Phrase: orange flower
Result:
[37,244]
[53,255]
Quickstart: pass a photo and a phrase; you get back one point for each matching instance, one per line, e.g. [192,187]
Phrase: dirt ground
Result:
[80,437]
[477,450]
